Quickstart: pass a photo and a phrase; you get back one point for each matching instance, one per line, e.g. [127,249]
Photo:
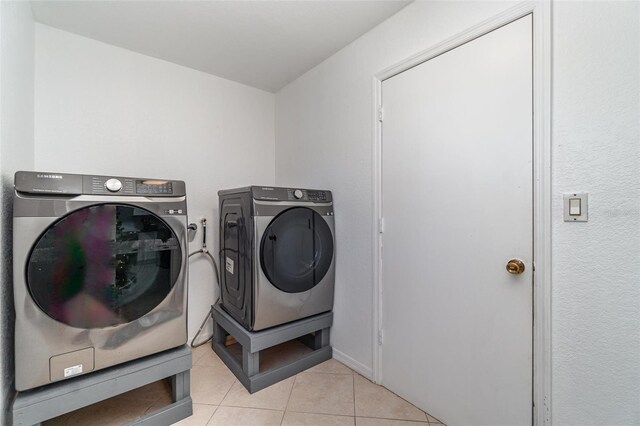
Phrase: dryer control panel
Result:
[268,193]
[72,184]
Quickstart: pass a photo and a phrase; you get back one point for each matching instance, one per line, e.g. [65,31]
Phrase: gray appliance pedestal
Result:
[35,406]
[313,331]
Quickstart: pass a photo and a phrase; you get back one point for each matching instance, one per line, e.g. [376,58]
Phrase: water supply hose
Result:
[206,252]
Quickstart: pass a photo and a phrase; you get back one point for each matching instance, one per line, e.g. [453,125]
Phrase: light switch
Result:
[575,207]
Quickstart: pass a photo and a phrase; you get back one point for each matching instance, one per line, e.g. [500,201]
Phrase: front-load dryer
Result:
[276,254]
[100,272]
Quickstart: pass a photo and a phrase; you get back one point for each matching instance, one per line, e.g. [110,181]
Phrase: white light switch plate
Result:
[584,207]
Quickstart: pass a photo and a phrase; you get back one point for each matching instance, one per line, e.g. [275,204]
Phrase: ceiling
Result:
[264,44]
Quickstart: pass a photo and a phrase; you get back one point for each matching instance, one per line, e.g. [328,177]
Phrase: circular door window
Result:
[296,250]
[103,265]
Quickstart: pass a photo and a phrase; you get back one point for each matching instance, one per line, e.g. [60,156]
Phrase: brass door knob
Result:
[515,266]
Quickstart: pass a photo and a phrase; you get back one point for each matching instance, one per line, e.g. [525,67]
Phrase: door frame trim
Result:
[541,13]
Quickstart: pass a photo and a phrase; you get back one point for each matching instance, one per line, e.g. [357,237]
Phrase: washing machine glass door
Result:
[103,265]
[296,250]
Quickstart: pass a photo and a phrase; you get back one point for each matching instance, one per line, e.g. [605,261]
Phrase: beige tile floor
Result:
[327,394]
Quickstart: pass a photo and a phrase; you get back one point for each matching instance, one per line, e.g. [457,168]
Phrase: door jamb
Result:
[541,13]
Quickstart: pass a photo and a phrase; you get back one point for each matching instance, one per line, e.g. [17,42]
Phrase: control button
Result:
[298,194]
[113,185]
[574,207]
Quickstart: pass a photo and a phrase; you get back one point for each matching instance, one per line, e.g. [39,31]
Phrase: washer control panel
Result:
[66,183]
[136,186]
[109,185]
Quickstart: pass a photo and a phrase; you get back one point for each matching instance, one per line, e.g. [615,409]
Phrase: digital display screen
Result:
[151,186]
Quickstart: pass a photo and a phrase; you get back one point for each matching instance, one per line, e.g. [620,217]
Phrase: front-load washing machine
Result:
[100,272]
[276,254]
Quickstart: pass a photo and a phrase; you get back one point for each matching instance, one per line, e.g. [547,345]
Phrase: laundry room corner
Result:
[101,109]
[16,152]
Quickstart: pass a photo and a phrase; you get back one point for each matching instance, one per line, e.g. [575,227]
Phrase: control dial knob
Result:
[113,185]
[298,194]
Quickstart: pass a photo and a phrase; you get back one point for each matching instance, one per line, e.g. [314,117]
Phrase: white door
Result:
[457,205]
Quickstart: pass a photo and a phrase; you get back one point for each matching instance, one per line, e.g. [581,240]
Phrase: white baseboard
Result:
[356,366]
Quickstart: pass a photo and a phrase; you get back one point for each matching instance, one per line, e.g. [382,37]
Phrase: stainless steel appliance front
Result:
[98,279]
[273,306]
[277,246]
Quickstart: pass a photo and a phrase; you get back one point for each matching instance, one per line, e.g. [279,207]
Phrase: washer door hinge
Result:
[381,225]
[380,113]
[379,337]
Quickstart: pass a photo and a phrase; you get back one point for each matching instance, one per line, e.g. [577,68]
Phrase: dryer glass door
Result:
[296,250]
[103,265]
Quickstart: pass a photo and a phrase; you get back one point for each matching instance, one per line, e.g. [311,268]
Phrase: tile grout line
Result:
[325,372]
[195,362]
[320,414]
[243,408]
[227,393]
[353,382]
[400,419]
[212,414]
[250,408]
[288,399]
[418,422]
[398,396]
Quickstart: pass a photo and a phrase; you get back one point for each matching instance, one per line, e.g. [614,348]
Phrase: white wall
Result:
[16,152]
[596,265]
[324,138]
[100,109]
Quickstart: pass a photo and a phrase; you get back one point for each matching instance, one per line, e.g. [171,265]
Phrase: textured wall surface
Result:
[16,152]
[100,109]
[324,134]
[324,139]
[596,265]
